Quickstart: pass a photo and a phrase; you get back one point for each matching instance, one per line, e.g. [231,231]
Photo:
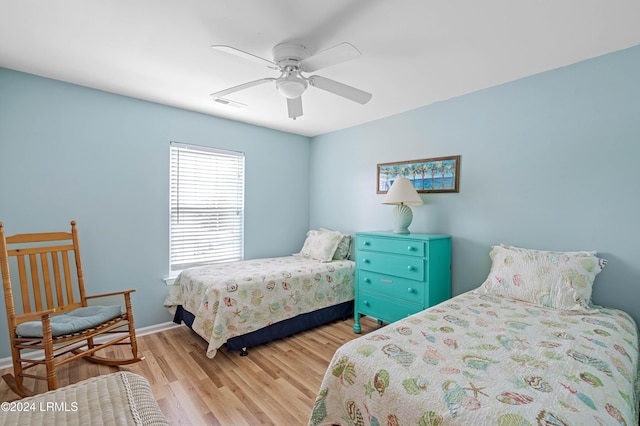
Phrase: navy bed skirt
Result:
[279,329]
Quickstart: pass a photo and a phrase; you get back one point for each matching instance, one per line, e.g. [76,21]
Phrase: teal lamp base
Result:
[402,217]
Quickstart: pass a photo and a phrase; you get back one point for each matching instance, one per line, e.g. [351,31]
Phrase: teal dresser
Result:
[398,275]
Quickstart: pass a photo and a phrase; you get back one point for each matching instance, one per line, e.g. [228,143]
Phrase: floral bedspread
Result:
[486,360]
[236,298]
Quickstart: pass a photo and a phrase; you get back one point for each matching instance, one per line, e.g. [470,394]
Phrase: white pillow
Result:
[560,280]
[320,245]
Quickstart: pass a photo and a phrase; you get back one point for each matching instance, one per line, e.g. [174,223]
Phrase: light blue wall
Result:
[69,152]
[548,162]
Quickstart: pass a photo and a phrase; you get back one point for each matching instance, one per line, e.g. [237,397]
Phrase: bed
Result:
[121,398]
[246,303]
[525,348]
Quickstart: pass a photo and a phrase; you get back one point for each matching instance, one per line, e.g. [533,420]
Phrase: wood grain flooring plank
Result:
[275,385]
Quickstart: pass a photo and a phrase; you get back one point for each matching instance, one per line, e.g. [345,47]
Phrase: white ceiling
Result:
[414,52]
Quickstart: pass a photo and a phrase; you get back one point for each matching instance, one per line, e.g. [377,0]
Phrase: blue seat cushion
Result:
[71,322]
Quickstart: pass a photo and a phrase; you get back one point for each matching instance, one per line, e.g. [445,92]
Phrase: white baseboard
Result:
[8,362]
[156,328]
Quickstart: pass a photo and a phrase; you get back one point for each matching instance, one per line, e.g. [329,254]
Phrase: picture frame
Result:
[441,174]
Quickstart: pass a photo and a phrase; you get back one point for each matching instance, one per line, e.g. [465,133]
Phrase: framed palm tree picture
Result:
[429,175]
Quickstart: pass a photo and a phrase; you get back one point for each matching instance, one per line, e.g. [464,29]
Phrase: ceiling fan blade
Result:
[246,55]
[340,89]
[334,55]
[295,107]
[239,87]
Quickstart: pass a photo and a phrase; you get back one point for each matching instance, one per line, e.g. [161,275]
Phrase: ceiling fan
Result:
[291,60]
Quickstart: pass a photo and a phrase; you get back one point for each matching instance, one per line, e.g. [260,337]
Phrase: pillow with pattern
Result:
[344,247]
[320,245]
[560,280]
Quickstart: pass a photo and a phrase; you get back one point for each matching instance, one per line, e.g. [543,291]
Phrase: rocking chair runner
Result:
[56,317]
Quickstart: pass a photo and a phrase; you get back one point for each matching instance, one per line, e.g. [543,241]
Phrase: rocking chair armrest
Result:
[115,293]
[20,318]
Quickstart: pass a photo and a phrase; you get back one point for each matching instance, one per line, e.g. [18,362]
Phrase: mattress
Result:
[481,359]
[237,298]
[121,398]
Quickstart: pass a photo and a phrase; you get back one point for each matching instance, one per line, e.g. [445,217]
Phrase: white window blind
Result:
[207,206]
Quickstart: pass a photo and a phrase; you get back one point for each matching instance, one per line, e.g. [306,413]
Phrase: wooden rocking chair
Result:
[55,318]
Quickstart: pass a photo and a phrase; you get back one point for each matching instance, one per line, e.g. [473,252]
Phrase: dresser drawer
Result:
[391,264]
[388,285]
[405,247]
[384,308]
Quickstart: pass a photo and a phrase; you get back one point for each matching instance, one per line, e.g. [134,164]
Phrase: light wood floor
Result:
[275,385]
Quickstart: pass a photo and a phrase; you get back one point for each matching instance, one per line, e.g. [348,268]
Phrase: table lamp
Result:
[402,194]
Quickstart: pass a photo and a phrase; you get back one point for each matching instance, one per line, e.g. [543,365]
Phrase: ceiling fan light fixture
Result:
[291,87]
[292,59]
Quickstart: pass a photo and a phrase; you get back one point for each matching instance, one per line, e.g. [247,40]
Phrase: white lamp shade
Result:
[291,87]
[402,192]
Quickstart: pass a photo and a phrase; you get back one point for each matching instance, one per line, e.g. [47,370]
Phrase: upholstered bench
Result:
[121,398]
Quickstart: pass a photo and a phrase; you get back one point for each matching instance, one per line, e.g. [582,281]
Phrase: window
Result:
[206,207]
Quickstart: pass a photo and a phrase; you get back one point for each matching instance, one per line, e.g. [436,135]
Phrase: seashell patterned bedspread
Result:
[236,298]
[485,360]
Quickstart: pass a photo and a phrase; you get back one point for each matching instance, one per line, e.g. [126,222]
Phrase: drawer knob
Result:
[410,268]
[411,248]
[411,290]
[366,261]
[365,302]
[366,243]
[367,280]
